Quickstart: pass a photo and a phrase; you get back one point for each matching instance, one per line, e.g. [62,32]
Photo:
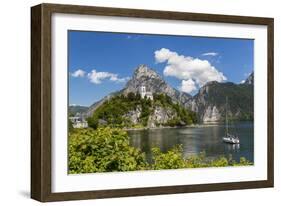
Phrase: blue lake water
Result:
[207,138]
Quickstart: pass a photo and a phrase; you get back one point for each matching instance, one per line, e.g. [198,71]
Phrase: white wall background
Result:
[15,102]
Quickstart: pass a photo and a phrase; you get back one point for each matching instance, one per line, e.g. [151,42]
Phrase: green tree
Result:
[103,150]
[131,96]
[93,122]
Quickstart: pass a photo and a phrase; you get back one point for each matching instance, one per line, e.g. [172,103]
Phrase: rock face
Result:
[145,76]
[211,114]
[134,115]
[210,102]
[160,116]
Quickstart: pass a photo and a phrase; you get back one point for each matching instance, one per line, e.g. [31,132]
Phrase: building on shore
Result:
[78,121]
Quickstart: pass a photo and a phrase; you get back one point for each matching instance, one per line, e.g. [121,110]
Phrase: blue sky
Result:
[100,63]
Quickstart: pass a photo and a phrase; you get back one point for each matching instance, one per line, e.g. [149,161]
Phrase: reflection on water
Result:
[194,140]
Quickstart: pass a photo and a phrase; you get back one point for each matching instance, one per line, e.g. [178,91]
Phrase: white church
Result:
[146,94]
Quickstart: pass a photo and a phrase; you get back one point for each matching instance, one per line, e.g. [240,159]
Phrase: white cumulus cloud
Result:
[78,73]
[188,86]
[210,54]
[188,68]
[97,77]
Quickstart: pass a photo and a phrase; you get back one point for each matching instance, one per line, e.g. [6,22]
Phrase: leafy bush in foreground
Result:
[103,150]
[108,150]
[173,159]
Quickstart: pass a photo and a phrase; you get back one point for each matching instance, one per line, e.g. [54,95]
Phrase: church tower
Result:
[145,93]
[142,91]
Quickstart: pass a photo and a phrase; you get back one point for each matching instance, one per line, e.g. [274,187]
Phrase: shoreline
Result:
[207,124]
[177,127]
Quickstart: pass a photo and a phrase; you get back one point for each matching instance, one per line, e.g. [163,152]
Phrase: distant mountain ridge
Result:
[208,103]
[73,109]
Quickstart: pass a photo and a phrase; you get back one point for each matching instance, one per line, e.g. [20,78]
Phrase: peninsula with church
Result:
[147,101]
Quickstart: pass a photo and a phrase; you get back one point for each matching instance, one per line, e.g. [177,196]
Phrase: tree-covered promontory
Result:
[131,110]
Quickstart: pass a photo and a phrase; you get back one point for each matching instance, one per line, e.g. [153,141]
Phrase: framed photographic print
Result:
[130,102]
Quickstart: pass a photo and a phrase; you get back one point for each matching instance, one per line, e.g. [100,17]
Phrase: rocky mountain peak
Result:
[250,79]
[144,71]
[153,82]
[144,76]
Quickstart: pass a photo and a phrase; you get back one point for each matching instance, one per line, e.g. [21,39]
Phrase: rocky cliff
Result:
[210,102]
[158,116]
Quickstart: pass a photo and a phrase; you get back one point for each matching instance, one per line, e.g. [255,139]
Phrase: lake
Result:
[194,140]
